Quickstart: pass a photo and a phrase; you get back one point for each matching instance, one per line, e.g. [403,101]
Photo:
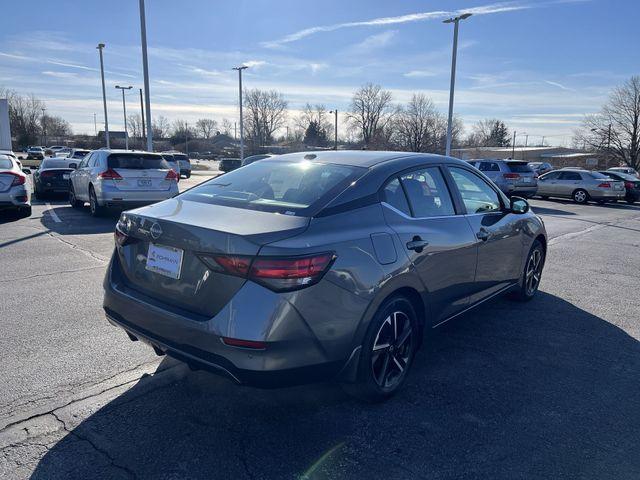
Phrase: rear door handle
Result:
[417,244]
[483,234]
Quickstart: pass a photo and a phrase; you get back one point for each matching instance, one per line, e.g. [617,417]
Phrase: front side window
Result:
[292,188]
[570,176]
[427,193]
[477,195]
[550,176]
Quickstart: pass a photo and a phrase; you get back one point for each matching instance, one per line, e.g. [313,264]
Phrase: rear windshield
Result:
[180,156]
[624,176]
[79,153]
[519,167]
[56,164]
[137,161]
[290,188]
[6,164]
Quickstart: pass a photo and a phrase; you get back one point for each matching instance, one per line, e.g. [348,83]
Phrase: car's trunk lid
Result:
[186,231]
[141,179]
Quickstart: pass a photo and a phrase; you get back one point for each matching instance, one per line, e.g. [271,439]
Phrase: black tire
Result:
[631,201]
[530,283]
[188,175]
[24,212]
[601,202]
[377,382]
[95,209]
[73,201]
[580,196]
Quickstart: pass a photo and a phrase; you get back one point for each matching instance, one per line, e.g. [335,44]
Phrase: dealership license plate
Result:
[144,182]
[164,260]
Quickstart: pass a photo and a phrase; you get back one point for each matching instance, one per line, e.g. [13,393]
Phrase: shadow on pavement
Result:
[550,211]
[540,390]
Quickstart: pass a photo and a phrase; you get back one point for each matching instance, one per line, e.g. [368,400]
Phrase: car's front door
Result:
[498,233]
[80,178]
[547,184]
[436,238]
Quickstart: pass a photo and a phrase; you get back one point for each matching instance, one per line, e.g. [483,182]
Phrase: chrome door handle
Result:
[417,244]
[482,235]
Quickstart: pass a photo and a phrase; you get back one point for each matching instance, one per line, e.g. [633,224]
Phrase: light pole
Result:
[142,112]
[145,69]
[455,21]
[95,125]
[239,69]
[124,109]
[44,127]
[104,96]
[186,138]
[513,146]
[335,137]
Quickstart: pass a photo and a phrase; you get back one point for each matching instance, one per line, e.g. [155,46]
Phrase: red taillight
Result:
[110,174]
[604,185]
[122,238]
[47,174]
[236,342]
[512,176]
[19,180]
[629,185]
[172,175]
[276,273]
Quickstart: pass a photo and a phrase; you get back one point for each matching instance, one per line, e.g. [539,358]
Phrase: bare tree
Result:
[371,110]
[489,132]
[266,113]
[419,125]
[56,126]
[615,131]
[160,127]
[25,116]
[206,127]
[181,130]
[227,127]
[134,126]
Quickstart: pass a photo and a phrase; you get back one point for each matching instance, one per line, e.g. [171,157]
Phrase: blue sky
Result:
[538,65]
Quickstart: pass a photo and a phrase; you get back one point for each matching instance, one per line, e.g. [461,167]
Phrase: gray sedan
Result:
[580,185]
[322,265]
[14,187]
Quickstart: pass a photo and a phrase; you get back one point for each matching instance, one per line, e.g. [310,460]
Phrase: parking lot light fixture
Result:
[145,71]
[239,69]
[124,109]
[100,47]
[455,21]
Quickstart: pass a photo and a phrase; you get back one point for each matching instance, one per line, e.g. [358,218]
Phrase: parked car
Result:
[631,184]
[121,178]
[35,153]
[184,164]
[14,188]
[540,167]
[513,177]
[255,158]
[323,265]
[53,176]
[580,185]
[627,170]
[229,164]
[172,161]
[78,153]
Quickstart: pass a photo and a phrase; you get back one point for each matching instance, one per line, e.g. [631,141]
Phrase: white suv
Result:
[121,178]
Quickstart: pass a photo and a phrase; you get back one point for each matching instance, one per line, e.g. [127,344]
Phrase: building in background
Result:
[559,157]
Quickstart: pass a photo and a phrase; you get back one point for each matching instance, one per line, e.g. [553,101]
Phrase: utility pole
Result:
[104,96]
[124,109]
[524,152]
[44,127]
[145,69]
[513,146]
[239,69]
[95,125]
[142,112]
[456,22]
[335,126]
[186,138]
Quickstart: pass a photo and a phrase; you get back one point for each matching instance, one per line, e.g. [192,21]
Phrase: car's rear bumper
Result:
[131,199]
[15,197]
[607,194]
[290,358]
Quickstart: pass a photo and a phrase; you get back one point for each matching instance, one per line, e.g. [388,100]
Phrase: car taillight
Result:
[237,342]
[276,273]
[172,175]
[122,238]
[629,185]
[47,174]
[18,180]
[511,175]
[110,174]
[604,185]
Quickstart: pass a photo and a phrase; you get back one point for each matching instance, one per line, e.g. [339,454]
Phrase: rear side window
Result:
[394,196]
[519,167]
[6,164]
[292,188]
[136,161]
[477,195]
[427,192]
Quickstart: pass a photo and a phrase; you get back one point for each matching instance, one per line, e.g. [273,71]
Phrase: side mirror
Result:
[519,205]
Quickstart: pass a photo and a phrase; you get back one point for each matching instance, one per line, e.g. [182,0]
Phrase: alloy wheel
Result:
[392,350]
[580,196]
[533,272]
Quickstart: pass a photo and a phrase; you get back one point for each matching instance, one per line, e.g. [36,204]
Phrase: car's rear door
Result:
[567,182]
[547,184]
[498,234]
[437,239]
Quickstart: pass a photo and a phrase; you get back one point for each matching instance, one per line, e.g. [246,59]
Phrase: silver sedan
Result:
[14,188]
[580,185]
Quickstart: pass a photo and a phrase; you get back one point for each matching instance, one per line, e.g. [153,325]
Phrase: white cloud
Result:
[255,63]
[59,74]
[419,74]
[559,85]
[372,42]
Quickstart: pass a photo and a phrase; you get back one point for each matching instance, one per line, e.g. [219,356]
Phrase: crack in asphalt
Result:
[59,272]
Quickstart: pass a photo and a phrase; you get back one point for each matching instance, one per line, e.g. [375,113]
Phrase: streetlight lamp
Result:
[124,109]
[335,138]
[104,95]
[145,70]
[239,69]
[455,21]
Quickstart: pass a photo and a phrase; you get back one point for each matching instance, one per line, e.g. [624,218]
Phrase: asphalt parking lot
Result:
[546,389]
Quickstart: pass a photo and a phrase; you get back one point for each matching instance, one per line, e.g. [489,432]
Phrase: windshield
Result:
[181,157]
[290,188]
[79,153]
[5,164]
[136,161]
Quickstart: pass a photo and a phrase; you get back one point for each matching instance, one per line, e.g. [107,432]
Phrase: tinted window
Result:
[550,176]
[394,196]
[489,167]
[6,164]
[79,153]
[180,157]
[136,161]
[427,193]
[519,167]
[291,188]
[570,176]
[477,195]
[55,164]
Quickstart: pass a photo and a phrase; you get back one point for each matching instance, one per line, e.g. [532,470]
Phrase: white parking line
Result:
[53,214]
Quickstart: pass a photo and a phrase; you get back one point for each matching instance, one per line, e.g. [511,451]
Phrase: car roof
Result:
[361,158]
